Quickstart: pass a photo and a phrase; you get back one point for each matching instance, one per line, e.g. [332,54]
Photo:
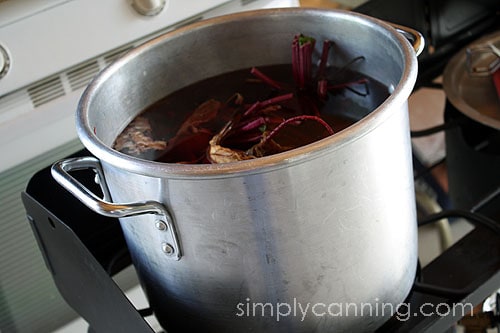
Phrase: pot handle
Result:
[414,37]
[164,222]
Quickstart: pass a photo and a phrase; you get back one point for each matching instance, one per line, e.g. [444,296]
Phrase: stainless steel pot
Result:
[231,247]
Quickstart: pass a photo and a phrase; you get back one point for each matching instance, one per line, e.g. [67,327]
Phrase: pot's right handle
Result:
[60,172]
[414,37]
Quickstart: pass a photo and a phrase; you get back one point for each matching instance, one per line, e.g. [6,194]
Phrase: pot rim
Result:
[298,155]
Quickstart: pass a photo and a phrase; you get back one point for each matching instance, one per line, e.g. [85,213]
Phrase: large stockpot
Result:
[219,247]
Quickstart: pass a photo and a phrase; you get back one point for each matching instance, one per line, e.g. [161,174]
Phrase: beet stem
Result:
[322,88]
[277,99]
[253,124]
[252,108]
[324,58]
[266,79]
[302,60]
[298,118]
[350,64]
[349,85]
[274,100]
[295,59]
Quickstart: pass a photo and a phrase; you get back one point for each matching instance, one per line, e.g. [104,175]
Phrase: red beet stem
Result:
[301,66]
[253,124]
[274,100]
[349,85]
[298,118]
[324,58]
[248,138]
[252,108]
[322,88]
[266,79]
[277,99]
[302,61]
[308,105]
[308,62]
[295,59]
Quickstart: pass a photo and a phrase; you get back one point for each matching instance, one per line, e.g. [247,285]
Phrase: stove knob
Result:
[148,7]
[4,62]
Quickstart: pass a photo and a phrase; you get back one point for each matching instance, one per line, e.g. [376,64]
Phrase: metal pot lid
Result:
[468,82]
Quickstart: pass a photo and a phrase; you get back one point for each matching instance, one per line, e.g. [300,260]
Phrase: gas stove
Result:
[84,250]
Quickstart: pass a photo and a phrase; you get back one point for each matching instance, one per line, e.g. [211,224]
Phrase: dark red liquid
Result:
[343,106]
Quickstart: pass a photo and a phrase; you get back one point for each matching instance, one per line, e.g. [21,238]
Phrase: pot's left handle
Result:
[164,222]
